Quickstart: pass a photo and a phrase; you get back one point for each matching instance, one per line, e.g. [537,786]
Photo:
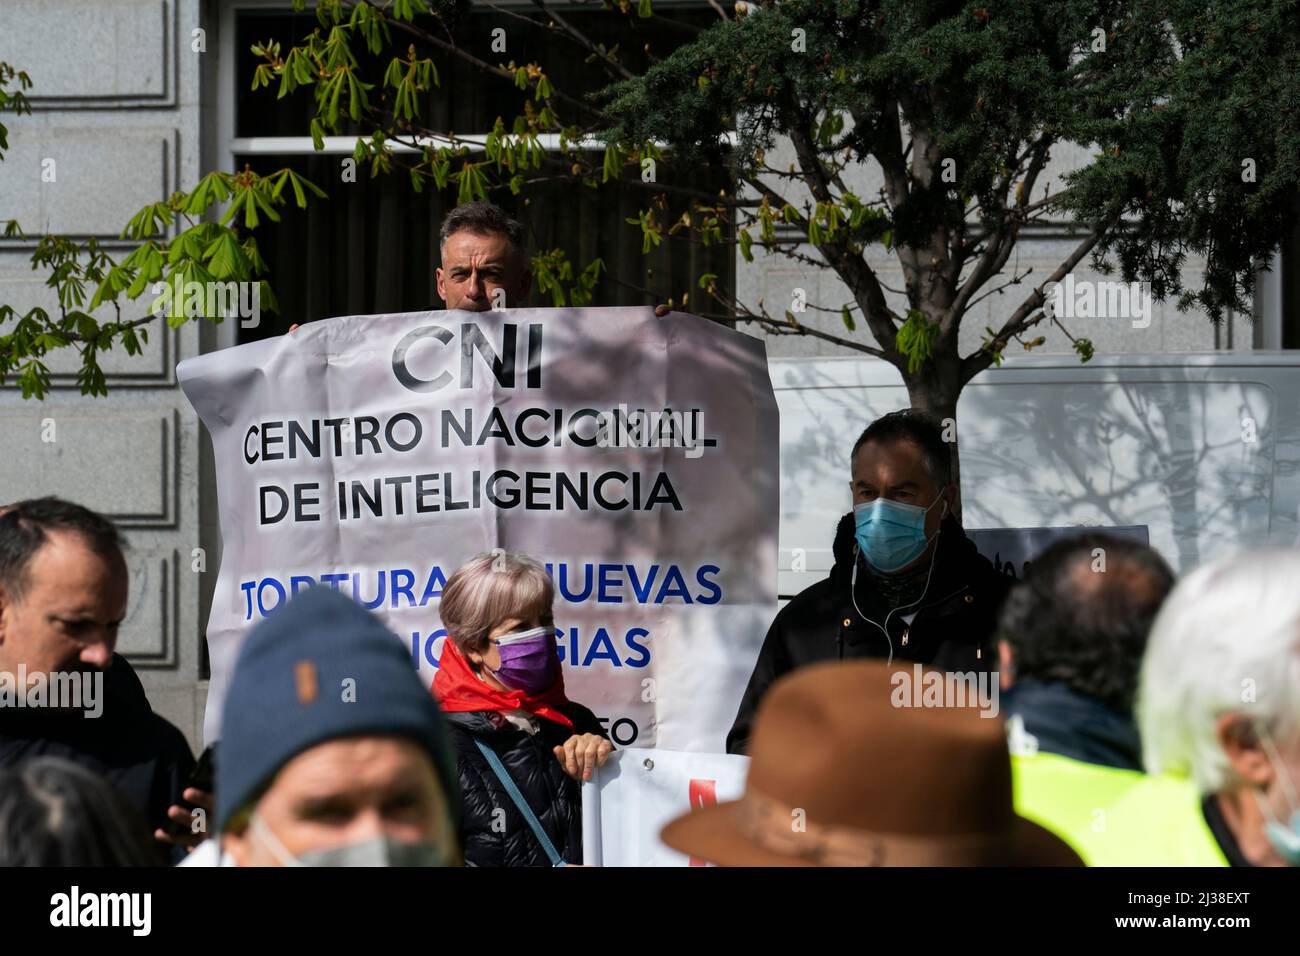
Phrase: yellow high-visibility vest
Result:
[1115,817]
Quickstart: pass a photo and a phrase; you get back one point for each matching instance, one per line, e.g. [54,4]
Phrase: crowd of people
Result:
[1140,720]
[1143,720]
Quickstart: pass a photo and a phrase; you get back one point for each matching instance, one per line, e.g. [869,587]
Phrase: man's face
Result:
[346,791]
[67,617]
[896,470]
[482,272]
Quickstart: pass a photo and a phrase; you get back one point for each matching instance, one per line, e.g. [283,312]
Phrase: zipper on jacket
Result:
[908,629]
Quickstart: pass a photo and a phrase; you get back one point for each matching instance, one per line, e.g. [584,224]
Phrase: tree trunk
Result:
[935,389]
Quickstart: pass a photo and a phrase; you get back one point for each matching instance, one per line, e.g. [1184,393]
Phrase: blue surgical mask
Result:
[891,534]
[1285,836]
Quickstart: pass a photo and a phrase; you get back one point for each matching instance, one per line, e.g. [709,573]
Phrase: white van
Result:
[1202,450]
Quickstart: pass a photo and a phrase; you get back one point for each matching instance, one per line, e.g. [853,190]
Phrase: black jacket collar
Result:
[1073,725]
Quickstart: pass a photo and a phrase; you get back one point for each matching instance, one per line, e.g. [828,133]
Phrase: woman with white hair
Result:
[1219,705]
[523,747]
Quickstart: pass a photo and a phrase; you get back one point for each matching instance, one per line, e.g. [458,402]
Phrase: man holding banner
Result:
[484,259]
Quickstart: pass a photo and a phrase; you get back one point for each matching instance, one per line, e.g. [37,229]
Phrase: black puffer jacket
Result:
[146,758]
[952,630]
[554,796]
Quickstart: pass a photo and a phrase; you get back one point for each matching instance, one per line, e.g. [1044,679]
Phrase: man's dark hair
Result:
[25,528]
[485,219]
[56,813]
[1070,621]
[914,425]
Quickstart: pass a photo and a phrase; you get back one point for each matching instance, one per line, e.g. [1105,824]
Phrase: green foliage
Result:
[915,340]
[991,344]
[87,279]
[11,100]
[1175,165]
[472,184]
[410,78]
[746,242]
[651,232]
[552,270]
[959,106]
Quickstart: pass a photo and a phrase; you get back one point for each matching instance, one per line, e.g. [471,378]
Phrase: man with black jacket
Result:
[907,583]
[63,593]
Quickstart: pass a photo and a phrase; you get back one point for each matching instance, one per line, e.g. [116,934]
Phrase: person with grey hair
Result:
[1219,709]
[522,746]
[1218,714]
[484,259]
[485,262]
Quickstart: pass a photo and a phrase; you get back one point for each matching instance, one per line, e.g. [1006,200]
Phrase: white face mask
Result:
[381,850]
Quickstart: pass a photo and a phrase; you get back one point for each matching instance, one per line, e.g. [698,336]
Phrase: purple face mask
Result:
[529,660]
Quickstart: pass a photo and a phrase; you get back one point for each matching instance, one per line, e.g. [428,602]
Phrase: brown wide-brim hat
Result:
[851,767]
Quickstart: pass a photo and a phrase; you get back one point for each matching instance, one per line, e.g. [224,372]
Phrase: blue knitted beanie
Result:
[290,691]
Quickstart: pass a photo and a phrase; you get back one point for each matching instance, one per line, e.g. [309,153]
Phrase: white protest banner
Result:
[630,799]
[635,456]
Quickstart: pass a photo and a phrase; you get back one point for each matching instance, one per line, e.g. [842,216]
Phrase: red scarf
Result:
[458,688]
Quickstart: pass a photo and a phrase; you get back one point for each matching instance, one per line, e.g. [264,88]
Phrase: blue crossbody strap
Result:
[533,823]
